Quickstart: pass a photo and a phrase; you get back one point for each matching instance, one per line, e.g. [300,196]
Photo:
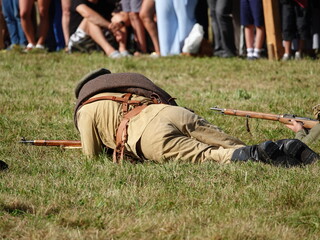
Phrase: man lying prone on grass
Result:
[128,113]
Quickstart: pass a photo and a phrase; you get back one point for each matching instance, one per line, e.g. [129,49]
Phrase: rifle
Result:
[56,143]
[284,118]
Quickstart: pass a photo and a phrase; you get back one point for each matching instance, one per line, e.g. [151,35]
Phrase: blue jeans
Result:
[175,20]
[10,9]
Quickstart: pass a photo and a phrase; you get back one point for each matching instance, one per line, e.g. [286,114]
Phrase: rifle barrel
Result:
[57,143]
[283,118]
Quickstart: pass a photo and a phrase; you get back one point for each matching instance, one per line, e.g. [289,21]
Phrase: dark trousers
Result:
[222,27]
[295,22]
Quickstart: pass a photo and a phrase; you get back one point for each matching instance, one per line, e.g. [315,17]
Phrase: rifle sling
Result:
[122,133]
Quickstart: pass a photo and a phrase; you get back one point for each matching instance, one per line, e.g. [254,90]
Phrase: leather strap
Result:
[112,98]
[122,133]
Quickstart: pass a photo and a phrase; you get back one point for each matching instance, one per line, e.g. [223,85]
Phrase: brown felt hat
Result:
[88,77]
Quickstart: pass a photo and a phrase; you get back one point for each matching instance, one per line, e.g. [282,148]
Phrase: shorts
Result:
[295,22]
[251,13]
[131,5]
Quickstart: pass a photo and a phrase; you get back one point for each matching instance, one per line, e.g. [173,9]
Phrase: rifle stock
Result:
[55,143]
[284,118]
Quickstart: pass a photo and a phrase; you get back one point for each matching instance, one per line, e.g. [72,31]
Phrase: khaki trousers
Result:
[178,134]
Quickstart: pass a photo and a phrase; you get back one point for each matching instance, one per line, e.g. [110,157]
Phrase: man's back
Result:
[98,123]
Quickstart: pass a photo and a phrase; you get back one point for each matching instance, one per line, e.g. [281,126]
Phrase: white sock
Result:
[256,52]
[80,33]
[249,52]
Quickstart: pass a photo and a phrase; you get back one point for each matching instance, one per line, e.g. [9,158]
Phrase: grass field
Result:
[50,193]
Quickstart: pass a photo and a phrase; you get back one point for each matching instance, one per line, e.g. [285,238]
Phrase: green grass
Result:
[50,193]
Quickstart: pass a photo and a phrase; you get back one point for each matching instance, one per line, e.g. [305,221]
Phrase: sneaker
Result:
[39,46]
[154,55]
[286,57]
[297,56]
[115,54]
[29,47]
[249,53]
[256,53]
[125,54]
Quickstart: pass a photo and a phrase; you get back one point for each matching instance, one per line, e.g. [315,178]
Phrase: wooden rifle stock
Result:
[56,143]
[284,118]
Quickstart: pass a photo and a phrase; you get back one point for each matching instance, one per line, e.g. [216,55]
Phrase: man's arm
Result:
[304,135]
[90,140]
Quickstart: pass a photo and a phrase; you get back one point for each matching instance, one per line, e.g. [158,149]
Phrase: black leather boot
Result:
[3,165]
[298,151]
[267,152]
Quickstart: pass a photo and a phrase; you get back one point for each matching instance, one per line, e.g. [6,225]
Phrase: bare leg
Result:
[138,31]
[146,14]
[66,19]
[96,34]
[249,35]
[43,7]
[301,46]
[287,47]
[260,35]
[26,21]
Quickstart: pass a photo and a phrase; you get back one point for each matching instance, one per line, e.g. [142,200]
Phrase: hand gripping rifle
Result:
[57,143]
[284,118]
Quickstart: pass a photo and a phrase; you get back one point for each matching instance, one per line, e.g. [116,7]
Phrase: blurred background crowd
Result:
[125,28]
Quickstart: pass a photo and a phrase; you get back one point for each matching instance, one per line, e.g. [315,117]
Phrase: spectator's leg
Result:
[66,19]
[96,34]
[303,21]
[43,7]
[186,18]
[26,20]
[9,17]
[249,37]
[147,13]
[2,28]
[259,41]
[224,18]
[215,28]
[139,31]
[288,28]
[22,37]
[258,19]
[167,27]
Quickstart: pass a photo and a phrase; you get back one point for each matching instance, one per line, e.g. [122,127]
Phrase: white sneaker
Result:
[115,54]
[249,53]
[286,57]
[39,46]
[297,56]
[125,54]
[256,53]
[154,55]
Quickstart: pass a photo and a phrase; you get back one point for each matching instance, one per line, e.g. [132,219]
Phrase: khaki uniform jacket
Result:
[160,132]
